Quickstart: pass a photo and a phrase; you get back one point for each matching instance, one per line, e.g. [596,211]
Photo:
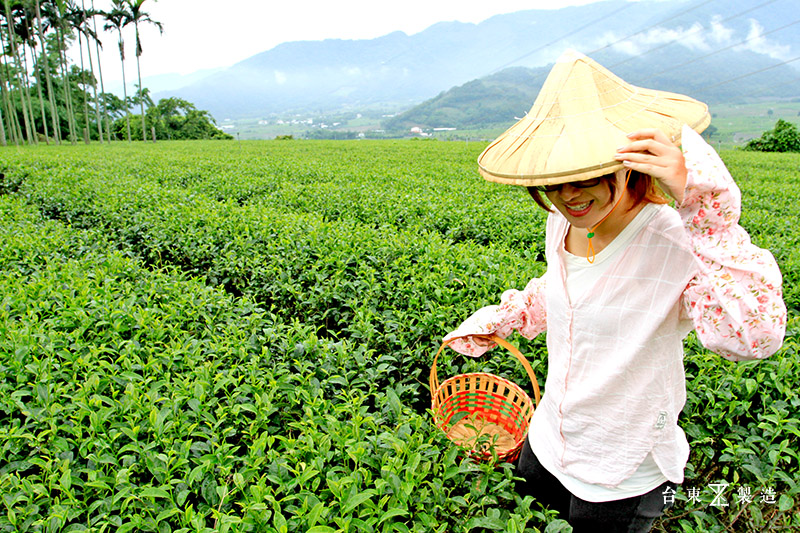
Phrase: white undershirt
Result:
[581,276]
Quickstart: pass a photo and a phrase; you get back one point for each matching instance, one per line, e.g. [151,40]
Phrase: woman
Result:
[627,278]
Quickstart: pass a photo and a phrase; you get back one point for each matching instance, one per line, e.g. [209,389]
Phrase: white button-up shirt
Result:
[615,384]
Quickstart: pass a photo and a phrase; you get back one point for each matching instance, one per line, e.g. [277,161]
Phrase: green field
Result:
[236,336]
[738,123]
[735,124]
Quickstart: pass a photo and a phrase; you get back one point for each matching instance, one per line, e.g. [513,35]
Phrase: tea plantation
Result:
[207,336]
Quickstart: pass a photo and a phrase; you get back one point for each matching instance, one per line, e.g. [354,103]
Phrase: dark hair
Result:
[641,187]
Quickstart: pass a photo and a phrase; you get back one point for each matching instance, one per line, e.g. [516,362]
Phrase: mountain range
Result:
[714,50]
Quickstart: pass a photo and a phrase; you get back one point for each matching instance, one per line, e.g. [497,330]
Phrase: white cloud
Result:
[756,42]
[699,37]
[719,33]
[691,37]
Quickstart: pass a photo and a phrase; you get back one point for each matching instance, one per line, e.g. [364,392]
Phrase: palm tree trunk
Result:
[9,124]
[50,94]
[41,98]
[102,86]
[13,123]
[67,86]
[85,99]
[72,126]
[11,108]
[141,101]
[14,127]
[141,87]
[27,116]
[3,141]
[124,85]
[17,63]
[97,114]
[27,81]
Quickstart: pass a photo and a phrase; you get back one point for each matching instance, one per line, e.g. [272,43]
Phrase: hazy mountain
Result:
[400,71]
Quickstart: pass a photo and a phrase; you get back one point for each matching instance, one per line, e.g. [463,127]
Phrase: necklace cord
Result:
[590,255]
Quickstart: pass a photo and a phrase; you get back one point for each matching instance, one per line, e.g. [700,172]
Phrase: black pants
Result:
[629,515]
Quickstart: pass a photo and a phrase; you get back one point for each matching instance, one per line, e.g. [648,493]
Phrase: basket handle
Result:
[434,378]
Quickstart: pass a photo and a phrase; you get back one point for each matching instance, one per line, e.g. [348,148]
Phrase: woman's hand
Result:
[651,152]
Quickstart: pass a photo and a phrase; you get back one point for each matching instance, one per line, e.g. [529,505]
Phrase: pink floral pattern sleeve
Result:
[522,311]
[736,301]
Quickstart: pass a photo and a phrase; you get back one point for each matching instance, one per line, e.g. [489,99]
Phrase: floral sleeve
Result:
[735,302]
[523,311]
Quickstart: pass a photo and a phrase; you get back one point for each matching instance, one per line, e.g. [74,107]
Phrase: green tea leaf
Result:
[356,500]
[785,502]
[153,492]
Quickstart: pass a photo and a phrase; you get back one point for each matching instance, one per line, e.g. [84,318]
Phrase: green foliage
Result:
[784,137]
[78,92]
[203,336]
[113,105]
[173,119]
[769,183]
[741,420]
[176,119]
[144,400]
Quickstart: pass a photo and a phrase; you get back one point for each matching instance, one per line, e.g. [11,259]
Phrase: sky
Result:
[206,34]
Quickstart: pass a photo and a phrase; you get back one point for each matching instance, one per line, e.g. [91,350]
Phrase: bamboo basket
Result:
[483,412]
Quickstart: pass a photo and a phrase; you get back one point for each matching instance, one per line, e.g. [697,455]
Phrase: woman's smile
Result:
[579,210]
[583,207]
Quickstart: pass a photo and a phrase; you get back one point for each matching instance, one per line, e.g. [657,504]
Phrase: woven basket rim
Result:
[435,402]
[487,374]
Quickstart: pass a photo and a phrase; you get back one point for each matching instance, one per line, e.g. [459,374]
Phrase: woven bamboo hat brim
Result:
[580,117]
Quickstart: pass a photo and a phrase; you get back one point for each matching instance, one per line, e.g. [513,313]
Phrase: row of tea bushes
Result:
[428,187]
[136,399]
[392,290]
[769,184]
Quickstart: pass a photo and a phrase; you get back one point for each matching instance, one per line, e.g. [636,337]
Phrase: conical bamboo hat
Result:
[580,117]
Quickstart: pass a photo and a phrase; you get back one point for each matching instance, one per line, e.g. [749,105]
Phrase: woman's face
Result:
[584,207]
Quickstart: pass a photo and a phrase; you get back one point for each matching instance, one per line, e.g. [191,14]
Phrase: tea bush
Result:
[134,399]
[784,137]
[196,337]
[392,289]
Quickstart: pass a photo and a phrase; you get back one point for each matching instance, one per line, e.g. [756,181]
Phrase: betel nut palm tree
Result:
[116,19]
[138,16]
